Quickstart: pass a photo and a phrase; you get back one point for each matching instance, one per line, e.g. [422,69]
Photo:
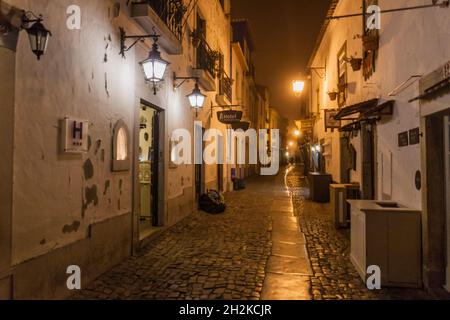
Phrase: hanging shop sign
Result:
[330,121]
[403,139]
[307,124]
[229,116]
[75,133]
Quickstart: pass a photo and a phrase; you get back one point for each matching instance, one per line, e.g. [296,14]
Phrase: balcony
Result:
[166,16]
[206,66]
[225,95]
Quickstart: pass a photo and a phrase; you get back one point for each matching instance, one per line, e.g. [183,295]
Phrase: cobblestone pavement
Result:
[203,257]
[334,277]
[236,255]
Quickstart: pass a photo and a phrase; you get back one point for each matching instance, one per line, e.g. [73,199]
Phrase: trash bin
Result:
[319,184]
[238,184]
[340,193]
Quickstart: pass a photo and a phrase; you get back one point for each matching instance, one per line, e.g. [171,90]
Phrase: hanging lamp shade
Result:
[154,66]
[196,98]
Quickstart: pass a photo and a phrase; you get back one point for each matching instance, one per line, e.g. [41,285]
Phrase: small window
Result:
[121,152]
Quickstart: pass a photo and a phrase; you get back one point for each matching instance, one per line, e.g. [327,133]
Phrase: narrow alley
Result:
[262,247]
[250,151]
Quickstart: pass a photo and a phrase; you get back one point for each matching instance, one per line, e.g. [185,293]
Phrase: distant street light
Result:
[298,86]
[291,144]
[297,133]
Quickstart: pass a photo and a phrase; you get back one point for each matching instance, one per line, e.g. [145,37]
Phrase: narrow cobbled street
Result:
[262,247]
[334,277]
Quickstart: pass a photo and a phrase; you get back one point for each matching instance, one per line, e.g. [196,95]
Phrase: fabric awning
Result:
[383,109]
[367,109]
[356,108]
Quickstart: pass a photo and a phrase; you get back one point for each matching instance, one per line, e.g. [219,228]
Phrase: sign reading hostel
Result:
[229,117]
[74,135]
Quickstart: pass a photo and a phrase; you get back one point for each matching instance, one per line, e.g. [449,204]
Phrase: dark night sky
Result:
[284,32]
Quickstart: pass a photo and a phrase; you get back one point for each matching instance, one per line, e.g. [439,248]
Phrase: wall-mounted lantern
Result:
[154,66]
[298,86]
[37,33]
[196,98]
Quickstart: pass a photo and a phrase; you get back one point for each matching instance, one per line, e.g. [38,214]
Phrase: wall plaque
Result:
[403,139]
[75,133]
[414,136]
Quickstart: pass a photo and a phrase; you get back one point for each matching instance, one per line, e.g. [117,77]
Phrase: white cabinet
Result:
[389,236]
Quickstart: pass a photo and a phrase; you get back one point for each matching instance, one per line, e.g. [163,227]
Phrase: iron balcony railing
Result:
[171,12]
[206,58]
[226,86]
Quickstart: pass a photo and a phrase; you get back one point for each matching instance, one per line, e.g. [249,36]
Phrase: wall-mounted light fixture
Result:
[196,98]
[298,86]
[37,33]
[154,66]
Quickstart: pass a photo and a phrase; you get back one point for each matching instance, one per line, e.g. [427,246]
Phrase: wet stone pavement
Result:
[203,257]
[266,245]
[334,277]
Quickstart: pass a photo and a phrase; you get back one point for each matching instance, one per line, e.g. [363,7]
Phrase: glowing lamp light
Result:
[196,98]
[287,154]
[297,133]
[154,66]
[291,144]
[298,86]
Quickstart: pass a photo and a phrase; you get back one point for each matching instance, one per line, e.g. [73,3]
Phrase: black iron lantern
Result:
[196,98]
[154,66]
[37,34]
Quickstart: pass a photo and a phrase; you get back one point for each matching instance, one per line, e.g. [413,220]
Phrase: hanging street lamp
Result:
[298,86]
[196,98]
[154,67]
[38,35]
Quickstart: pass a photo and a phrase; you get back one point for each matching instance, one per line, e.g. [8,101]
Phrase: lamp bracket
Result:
[230,106]
[324,69]
[443,4]
[137,38]
[185,79]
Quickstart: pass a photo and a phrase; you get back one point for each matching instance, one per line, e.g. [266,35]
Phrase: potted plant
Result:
[356,63]
[333,95]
